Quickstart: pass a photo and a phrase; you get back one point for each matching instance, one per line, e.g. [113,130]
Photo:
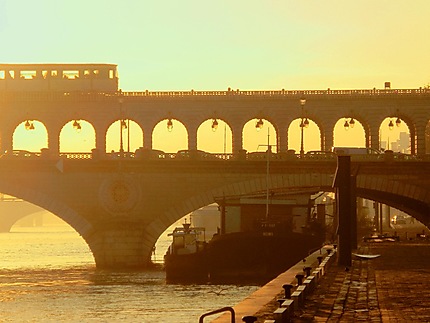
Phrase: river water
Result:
[47,274]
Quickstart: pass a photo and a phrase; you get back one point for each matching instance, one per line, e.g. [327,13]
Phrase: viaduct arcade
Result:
[121,206]
[90,93]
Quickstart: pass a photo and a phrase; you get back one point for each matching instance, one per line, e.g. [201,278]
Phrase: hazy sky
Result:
[213,45]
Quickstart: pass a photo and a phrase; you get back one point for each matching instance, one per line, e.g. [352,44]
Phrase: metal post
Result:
[302,148]
[354,242]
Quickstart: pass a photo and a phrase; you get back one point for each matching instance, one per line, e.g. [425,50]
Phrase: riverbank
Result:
[263,302]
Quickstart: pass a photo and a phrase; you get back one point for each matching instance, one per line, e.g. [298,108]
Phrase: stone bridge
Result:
[121,206]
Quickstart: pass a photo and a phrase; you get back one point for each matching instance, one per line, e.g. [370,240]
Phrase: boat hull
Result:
[242,257]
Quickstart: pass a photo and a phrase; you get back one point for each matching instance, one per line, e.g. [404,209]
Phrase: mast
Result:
[269,150]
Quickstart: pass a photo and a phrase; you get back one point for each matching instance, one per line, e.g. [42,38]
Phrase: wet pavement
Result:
[394,287]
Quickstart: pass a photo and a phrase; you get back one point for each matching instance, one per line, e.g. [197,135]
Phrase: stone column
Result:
[420,138]
[374,136]
[118,245]
[6,141]
[192,136]
[237,137]
[100,139]
[54,140]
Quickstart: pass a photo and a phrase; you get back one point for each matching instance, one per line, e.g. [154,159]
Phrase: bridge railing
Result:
[204,156]
[96,96]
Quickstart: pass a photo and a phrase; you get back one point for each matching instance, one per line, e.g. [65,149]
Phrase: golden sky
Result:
[212,45]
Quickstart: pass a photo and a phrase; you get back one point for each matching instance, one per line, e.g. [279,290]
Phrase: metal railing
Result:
[96,96]
[221,310]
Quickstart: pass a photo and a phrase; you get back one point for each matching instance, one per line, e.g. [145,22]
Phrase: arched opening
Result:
[77,136]
[308,131]
[30,135]
[170,135]
[257,134]
[349,132]
[124,135]
[207,217]
[214,136]
[394,135]
[32,237]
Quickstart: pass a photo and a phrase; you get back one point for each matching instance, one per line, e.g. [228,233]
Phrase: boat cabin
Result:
[187,240]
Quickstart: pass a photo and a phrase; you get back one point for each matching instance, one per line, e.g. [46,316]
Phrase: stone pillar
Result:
[119,245]
[6,141]
[421,138]
[192,137]
[54,141]
[100,139]
[374,136]
[237,137]
[327,139]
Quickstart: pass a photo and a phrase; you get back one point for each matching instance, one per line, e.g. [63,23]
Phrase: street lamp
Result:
[214,125]
[77,125]
[302,126]
[29,125]
[259,125]
[169,125]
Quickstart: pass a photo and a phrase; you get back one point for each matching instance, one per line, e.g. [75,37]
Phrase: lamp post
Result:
[302,125]
[121,145]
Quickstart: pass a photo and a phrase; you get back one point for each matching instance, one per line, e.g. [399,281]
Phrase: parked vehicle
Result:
[355,151]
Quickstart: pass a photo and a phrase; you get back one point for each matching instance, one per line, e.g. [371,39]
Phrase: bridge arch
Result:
[25,130]
[391,192]
[72,131]
[63,211]
[167,129]
[218,133]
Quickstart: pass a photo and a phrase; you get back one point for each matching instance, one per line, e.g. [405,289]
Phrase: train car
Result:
[58,77]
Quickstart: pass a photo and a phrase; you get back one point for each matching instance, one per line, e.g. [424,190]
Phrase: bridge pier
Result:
[119,246]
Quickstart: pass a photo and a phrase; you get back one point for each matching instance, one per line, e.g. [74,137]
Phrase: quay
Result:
[393,287]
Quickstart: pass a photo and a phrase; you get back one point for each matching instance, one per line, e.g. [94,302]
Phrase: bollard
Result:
[249,319]
[307,270]
[299,278]
[287,288]
[320,258]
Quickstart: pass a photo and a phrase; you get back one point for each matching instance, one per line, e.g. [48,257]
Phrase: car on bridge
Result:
[194,154]
[320,155]
[20,154]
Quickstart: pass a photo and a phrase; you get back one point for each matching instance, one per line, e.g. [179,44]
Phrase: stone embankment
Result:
[394,287]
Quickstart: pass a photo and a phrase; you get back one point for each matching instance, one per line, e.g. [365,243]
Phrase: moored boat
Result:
[185,259]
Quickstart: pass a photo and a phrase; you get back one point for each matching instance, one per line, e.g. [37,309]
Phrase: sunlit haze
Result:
[247,45]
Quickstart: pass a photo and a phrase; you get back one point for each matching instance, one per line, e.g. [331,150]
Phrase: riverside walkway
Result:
[394,287]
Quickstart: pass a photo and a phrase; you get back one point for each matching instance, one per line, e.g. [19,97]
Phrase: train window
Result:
[2,75]
[70,75]
[111,74]
[12,74]
[96,73]
[54,73]
[27,75]
[44,74]
[86,73]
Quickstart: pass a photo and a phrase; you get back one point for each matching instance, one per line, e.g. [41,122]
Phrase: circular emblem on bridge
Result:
[119,195]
